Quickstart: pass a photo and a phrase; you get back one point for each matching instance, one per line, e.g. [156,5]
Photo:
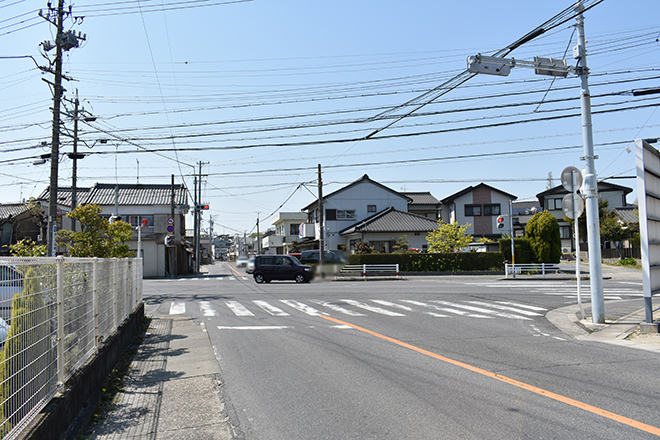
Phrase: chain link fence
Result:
[54,314]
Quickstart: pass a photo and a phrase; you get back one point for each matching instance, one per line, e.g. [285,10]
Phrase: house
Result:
[551,200]
[19,221]
[523,211]
[287,232]
[424,204]
[349,205]
[480,206]
[152,205]
[381,230]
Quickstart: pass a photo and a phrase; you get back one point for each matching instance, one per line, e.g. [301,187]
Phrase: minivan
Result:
[280,267]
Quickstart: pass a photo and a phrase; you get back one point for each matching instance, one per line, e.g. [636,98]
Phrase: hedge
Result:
[435,262]
[524,253]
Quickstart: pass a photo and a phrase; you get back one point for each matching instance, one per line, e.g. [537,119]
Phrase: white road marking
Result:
[372,308]
[505,308]
[524,306]
[206,309]
[275,311]
[238,308]
[302,307]
[480,310]
[337,308]
[391,304]
[445,309]
[177,308]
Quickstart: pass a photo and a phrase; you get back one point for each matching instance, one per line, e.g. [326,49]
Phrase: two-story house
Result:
[287,232]
[368,211]
[140,204]
[551,199]
[479,206]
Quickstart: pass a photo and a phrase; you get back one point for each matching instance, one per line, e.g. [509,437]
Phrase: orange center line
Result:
[235,271]
[540,391]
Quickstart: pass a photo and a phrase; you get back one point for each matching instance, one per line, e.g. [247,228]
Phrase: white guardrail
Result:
[369,269]
[542,268]
[55,312]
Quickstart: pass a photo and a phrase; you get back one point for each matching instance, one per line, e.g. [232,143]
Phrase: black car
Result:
[280,267]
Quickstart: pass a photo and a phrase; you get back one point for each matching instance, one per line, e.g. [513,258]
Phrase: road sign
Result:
[170,221]
[567,205]
[567,178]
[170,228]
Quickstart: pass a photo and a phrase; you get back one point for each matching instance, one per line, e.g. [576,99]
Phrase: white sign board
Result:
[648,189]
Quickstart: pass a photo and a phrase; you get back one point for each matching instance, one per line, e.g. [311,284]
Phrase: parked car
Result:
[329,257]
[280,267]
[11,283]
[242,261]
[250,266]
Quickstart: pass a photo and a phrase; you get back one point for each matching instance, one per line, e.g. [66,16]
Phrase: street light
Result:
[548,66]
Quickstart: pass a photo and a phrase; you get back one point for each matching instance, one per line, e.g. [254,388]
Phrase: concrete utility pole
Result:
[321,220]
[63,42]
[55,143]
[590,179]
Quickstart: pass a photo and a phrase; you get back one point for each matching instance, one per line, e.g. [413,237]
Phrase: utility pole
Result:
[55,142]
[173,252]
[321,220]
[590,180]
[258,238]
[63,42]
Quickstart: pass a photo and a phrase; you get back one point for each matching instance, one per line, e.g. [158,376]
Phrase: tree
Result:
[544,238]
[98,238]
[449,237]
[28,248]
[401,246]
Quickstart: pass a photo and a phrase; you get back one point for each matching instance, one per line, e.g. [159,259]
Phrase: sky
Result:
[261,92]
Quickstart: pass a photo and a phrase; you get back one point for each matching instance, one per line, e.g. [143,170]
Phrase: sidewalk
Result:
[172,390]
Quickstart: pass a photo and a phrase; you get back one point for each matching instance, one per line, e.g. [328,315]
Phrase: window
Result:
[294,229]
[371,208]
[554,204]
[135,220]
[331,214]
[472,210]
[565,231]
[346,214]
[493,209]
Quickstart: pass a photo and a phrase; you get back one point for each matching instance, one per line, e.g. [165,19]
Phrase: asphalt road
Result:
[422,358]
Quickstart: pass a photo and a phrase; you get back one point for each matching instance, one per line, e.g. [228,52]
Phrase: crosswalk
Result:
[354,308]
[566,290]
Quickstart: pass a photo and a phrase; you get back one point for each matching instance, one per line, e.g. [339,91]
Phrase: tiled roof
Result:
[392,220]
[629,214]
[421,198]
[8,210]
[103,194]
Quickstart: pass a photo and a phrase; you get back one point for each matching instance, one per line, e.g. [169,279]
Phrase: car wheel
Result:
[259,278]
[300,278]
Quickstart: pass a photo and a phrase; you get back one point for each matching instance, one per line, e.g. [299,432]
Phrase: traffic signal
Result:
[500,222]
[202,207]
[169,240]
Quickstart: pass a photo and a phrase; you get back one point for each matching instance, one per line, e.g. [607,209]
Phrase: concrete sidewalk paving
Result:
[172,390]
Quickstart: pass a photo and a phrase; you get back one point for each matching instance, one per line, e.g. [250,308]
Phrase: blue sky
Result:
[262,91]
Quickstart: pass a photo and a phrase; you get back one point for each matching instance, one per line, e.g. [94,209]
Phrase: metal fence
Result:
[55,312]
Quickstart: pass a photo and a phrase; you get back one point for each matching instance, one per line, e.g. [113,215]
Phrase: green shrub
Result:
[543,234]
[523,250]
[627,262]
[436,262]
